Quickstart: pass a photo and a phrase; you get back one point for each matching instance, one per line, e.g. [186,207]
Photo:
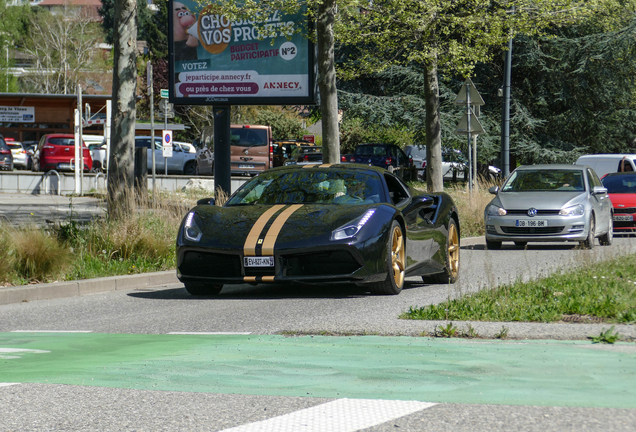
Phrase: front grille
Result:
[539,212]
[628,210]
[532,231]
[320,264]
[206,264]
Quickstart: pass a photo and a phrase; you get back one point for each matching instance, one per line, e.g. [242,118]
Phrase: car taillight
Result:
[353,159]
[271,154]
[388,161]
[3,151]
[343,159]
[306,158]
[423,164]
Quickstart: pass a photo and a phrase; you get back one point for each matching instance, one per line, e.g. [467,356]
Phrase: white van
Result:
[608,163]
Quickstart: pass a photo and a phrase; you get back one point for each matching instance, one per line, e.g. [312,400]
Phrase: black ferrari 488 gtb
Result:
[319,224]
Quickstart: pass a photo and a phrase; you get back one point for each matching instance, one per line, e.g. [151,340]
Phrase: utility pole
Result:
[152,128]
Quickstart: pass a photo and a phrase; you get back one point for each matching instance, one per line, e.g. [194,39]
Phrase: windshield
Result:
[622,184]
[417,152]
[315,186]
[371,150]
[545,180]
[248,137]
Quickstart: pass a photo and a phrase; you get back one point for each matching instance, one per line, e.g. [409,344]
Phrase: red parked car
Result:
[57,152]
[621,188]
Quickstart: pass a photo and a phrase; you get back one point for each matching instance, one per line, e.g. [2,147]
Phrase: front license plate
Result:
[623,218]
[246,166]
[267,261]
[532,223]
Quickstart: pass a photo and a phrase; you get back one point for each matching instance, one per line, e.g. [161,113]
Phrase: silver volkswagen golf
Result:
[549,203]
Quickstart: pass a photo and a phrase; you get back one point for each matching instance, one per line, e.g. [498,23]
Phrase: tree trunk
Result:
[327,82]
[121,163]
[434,175]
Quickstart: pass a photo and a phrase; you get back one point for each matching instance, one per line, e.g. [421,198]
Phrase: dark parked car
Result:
[320,224]
[387,156]
[6,157]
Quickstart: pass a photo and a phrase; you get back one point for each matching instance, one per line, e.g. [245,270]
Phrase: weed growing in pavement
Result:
[470,332]
[503,333]
[605,290]
[607,336]
[448,331]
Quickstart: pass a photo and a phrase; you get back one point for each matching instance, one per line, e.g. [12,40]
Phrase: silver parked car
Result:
[548,203]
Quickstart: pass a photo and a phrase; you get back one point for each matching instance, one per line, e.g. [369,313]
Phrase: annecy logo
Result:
[282,85]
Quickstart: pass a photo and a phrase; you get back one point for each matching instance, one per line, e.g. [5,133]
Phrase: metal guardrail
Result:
[47,183]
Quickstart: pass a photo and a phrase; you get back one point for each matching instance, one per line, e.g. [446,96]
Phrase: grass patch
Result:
[143,242]
[606,291]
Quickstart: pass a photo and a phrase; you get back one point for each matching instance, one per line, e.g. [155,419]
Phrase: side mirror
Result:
[598,190]
[493,190]
[206,201]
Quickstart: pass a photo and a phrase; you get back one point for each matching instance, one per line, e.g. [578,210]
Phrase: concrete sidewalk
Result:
[47,291]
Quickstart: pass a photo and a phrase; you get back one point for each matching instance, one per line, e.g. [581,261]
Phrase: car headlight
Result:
[191,230]
[493,210]
[350,229]
[576,210]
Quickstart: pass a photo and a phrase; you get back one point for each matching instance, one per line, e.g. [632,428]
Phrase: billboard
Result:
[17,114]
[216,61]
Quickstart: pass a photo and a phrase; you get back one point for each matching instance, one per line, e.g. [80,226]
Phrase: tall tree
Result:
[120,165]
[64,48]
[450,34]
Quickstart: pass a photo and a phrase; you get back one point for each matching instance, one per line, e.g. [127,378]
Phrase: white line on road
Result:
[209,333]
[8,384]
[52,331]
[342,415]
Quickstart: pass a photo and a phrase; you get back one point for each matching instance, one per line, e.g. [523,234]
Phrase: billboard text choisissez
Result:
[246,60]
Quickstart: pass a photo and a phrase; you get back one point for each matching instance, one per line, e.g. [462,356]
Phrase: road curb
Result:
[48,291]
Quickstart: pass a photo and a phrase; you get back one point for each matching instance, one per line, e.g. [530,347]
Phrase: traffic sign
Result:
[475,125]
[165,93]
[164,105]
[167,143]
[311,138]
[475,97]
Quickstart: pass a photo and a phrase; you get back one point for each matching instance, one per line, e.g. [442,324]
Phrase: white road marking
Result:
[209,333]
[15,353]
[8,384]
[342,415]
[52,331]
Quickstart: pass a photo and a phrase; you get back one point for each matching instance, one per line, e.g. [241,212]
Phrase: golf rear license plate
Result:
[623,218]
[246,166]
[266,261]
[532,223]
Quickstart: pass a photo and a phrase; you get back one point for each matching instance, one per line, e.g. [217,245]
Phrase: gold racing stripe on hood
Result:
[274,230]
[249,248]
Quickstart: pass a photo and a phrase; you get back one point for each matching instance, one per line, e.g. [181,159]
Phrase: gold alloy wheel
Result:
[397,256]
[453,251]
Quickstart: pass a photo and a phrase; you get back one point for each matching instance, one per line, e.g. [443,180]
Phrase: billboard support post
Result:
[222,153]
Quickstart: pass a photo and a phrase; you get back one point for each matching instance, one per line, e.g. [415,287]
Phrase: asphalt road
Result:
[52,403]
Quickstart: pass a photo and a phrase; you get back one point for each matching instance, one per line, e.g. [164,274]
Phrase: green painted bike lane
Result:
[541,373]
